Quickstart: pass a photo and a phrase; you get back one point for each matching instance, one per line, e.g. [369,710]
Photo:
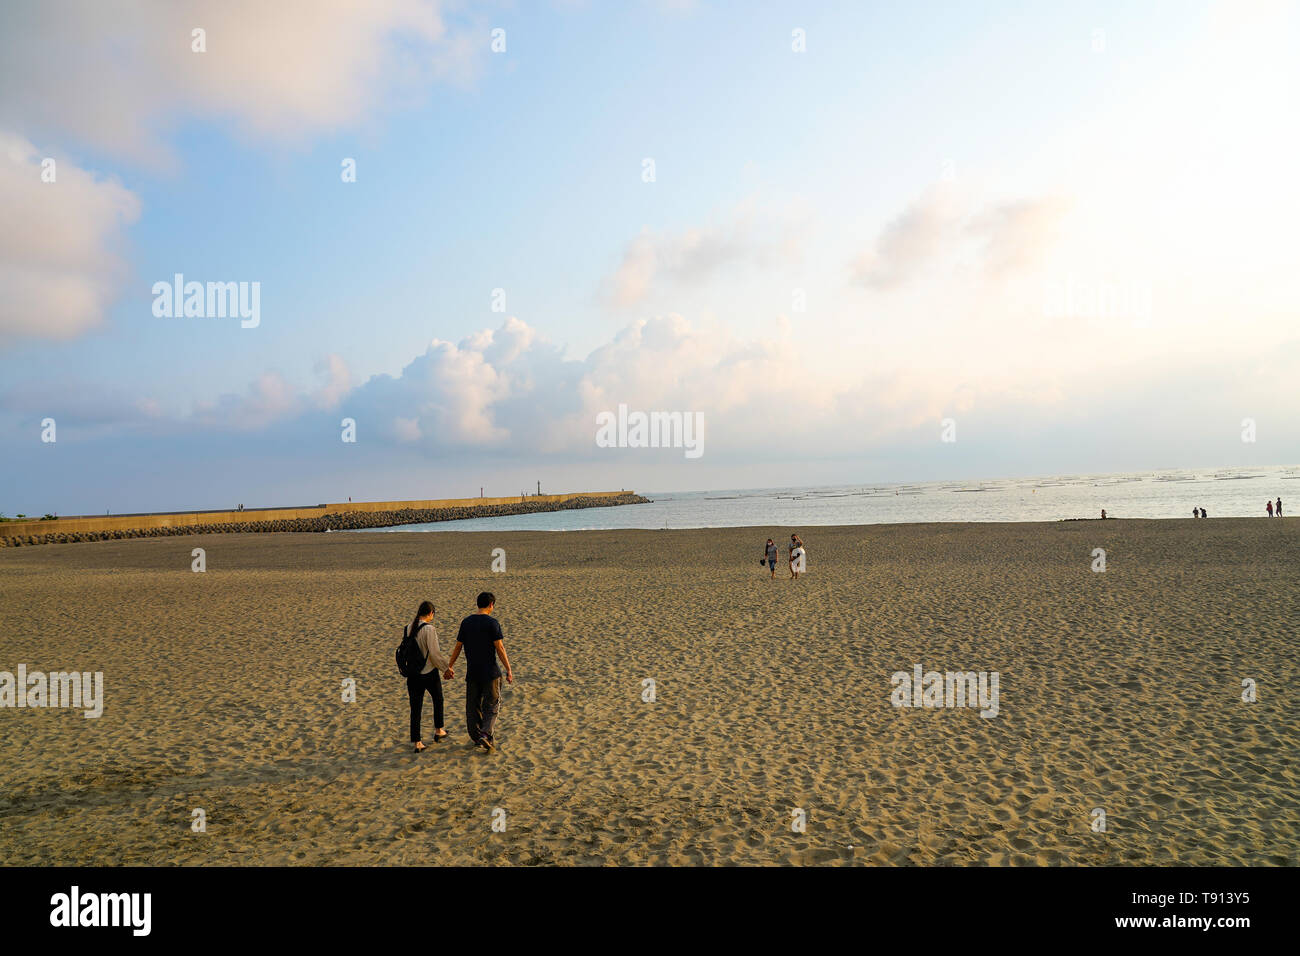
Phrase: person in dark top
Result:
[1268,506]
[770,553]
[480,635]
[1203,514]
[1196,512]
[1279,506]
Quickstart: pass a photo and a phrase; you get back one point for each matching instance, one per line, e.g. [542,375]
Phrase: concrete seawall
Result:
[345,516]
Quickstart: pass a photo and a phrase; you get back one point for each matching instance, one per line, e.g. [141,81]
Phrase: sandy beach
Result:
[1120,691]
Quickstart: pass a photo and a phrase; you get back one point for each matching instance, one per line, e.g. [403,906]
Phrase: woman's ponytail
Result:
[426,608]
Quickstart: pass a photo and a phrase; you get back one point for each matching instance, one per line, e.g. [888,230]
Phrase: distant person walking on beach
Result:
[1278,510]
[427,680]
[770,556]
[798,556]
[1196,512]
[1268,506]
[480,635]
[1203,514]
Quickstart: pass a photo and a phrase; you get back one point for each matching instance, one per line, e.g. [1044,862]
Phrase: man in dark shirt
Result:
[480,635]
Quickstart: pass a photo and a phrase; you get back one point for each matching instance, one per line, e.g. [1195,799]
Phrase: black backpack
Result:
[410,659]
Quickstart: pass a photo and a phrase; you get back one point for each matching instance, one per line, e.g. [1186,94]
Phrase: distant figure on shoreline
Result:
[1103,514]
[1278,510]
[480,635]
[1196,512]
[769,557]
[1268,506]
[1203,514]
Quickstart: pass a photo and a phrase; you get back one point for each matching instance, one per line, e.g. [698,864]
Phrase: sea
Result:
[1223,493]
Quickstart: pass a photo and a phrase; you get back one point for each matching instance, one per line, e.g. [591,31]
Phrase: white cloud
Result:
[656,261]
[1014,233]
[59,264]
[407,429]
[939,227]
[509,391]
[271,400]
[338,381]
[909,242]
[117,76]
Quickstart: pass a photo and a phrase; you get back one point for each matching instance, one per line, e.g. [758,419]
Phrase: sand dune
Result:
[1118,690]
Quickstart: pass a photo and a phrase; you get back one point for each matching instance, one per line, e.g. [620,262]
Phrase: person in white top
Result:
[798,556]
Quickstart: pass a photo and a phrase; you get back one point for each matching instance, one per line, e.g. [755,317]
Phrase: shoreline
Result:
[1109,519]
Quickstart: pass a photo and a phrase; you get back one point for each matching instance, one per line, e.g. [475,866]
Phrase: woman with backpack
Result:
[429,677]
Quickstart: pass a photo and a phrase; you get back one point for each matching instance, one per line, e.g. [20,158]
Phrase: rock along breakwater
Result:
[349,516]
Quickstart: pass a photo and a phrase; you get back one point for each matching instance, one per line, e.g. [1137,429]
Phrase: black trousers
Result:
[415,688]
[482,701]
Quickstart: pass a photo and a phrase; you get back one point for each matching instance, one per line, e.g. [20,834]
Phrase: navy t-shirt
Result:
[478,633]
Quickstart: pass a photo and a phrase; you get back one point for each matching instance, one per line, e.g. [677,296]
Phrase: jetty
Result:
[342,516]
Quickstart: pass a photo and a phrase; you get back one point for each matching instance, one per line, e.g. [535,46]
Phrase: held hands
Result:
[448,674]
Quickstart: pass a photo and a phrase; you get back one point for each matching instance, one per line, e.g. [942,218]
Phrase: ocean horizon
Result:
[1222,492]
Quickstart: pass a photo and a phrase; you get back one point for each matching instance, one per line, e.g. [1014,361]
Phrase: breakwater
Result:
[346,516]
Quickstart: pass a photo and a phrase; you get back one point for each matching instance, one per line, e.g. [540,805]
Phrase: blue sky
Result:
[925,176]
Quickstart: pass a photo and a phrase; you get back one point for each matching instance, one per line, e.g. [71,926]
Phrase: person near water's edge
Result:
[480,635]
[426,636]
[771,553]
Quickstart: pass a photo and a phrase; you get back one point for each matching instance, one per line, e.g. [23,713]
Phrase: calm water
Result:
[1166,494]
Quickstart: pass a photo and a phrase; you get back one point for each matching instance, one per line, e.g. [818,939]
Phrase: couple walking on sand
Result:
[483,643]
[798,561]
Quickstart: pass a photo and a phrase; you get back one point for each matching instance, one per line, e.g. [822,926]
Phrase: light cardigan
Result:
[427,638]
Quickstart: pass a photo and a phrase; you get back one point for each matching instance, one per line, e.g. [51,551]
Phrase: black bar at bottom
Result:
[944,906]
